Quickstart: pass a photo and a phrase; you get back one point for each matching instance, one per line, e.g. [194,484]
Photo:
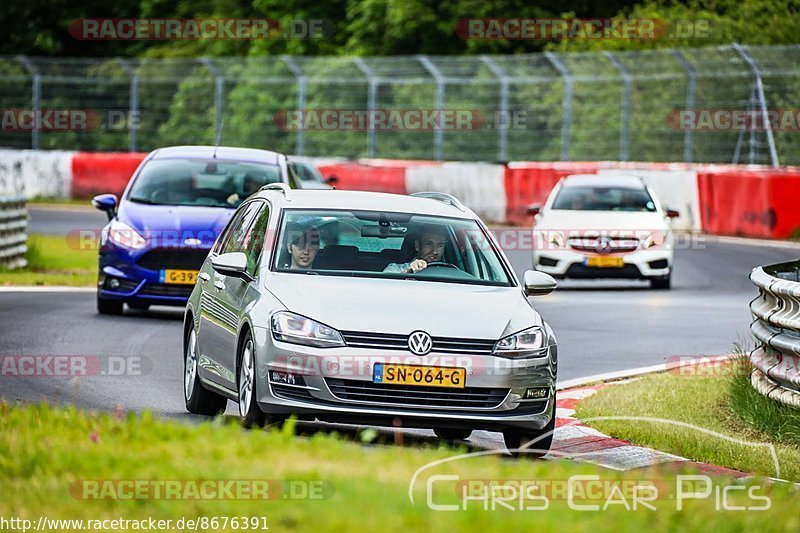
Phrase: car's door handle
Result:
[202,276]
[219,285]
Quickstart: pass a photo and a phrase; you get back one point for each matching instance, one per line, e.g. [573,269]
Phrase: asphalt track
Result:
[601,326]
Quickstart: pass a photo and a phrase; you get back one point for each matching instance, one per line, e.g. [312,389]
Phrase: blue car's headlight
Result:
[526,343]
[123,235]
[291,327]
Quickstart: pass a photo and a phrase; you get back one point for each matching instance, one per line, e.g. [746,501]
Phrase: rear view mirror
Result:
[232,264]
[673,213]
[538,283]
[383,231]
[107,203]
[331,180]
[534,209]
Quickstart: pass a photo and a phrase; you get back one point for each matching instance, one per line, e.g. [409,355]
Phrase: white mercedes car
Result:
[603,226]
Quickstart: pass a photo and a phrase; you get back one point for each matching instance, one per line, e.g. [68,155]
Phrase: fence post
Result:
[219,88]
[502,134]
[566,103]
[133,105]
[36,97]
[371,103]
[627,80]
[438,138]
[759,87]
[299,136]
[691,88]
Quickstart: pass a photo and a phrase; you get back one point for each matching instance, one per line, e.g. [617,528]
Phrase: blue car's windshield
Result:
[388,245]
[200,182]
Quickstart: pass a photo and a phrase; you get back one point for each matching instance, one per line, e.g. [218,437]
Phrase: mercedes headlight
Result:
[556,238]
[526,343]
[654,239]
[123,235]
[291,327]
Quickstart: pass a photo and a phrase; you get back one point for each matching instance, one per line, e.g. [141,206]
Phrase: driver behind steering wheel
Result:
[430,249]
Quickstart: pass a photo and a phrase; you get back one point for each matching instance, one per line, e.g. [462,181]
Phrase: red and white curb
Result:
[577,441]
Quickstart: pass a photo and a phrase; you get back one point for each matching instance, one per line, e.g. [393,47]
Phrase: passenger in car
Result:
[429,247]
[303,247]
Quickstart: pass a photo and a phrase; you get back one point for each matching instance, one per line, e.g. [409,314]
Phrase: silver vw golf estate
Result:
[370,308]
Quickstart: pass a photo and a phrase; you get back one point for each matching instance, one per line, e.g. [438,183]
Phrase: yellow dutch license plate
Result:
[183,277]
[605,262]
[427,376]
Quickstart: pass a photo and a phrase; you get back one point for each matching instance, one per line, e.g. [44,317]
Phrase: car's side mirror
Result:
[331,180]
[232,264]
[107,203]
[673,213]
[538,283]
[534,209]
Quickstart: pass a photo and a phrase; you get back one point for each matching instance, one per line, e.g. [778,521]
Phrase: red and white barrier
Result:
[720,199]
[32,173]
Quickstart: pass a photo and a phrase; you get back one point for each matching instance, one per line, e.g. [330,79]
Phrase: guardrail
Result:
[13,232]
[776,328]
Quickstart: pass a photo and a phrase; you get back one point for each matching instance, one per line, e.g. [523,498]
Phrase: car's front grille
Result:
[613,244]
[175,258]
[290,393]
[430,397]
[162,289]
[389,341]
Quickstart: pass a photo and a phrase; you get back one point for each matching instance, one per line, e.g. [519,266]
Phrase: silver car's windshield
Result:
[387,245]
[200,182]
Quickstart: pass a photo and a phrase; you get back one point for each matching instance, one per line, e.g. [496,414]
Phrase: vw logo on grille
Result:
[420,343]
[603,245]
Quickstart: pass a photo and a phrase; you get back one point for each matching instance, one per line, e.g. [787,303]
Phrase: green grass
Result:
[60,202]
[54,260]
[724,404]
[46,452]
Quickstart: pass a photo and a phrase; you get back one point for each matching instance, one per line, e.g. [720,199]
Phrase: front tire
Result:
[199,400]
[109,307]
[249,412]
[664,283]
[515,439]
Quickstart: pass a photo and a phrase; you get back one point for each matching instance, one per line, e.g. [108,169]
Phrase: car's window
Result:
[200,182]
[603,199]
[379,244]
[305,171]
[225,235]
[254,241]
[236,240]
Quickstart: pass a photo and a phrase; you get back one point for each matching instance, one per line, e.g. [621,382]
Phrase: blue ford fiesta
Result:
[172,210]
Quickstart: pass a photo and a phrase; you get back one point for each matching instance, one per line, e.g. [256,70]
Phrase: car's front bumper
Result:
[316,398]
[567,263]
[134,283]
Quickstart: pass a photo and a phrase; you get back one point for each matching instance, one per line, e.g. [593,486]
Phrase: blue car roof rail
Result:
[442,197]
[285,189]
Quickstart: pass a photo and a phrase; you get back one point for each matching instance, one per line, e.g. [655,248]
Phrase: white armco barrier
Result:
[480,186]
[31,173]
[676,189]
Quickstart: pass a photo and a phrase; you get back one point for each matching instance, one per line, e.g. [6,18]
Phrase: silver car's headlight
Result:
[526,343]
[297,329]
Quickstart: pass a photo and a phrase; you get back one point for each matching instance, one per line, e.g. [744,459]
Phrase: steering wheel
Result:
[442,264]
